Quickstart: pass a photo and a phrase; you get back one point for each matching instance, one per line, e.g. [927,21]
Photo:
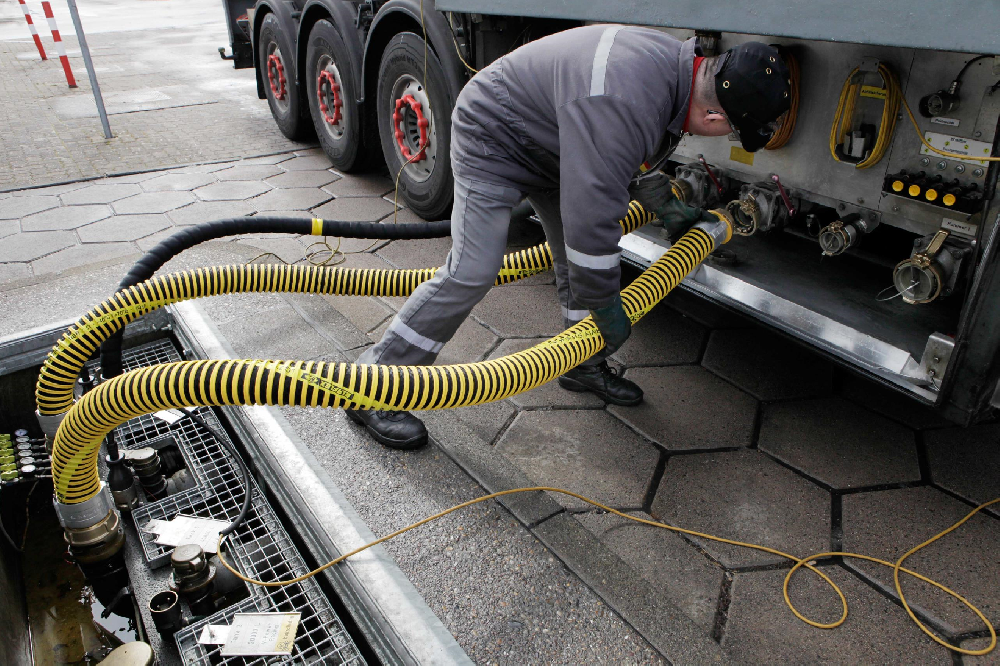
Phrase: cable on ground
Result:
[799,562]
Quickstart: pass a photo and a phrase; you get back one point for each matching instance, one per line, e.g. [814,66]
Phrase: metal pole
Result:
[90,68]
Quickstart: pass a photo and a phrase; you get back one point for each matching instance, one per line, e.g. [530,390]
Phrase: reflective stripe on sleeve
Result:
[602,261]
[601,60]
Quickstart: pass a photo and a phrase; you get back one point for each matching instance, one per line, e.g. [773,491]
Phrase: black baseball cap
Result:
[754,88]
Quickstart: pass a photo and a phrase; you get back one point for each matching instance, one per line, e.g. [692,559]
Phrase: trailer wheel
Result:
[275,56]
[331,74]
[413,121]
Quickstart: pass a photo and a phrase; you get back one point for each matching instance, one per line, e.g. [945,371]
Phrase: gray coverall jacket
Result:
[566,120]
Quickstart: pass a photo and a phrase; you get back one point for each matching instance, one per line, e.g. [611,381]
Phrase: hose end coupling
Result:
[721,230]
[49,423]
[93,528]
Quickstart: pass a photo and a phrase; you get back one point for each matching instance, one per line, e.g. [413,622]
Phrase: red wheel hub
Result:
[328,83]
[422,124]
[276,75]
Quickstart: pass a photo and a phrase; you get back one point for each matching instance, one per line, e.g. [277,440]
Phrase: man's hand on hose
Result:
[613,324]
[654,192]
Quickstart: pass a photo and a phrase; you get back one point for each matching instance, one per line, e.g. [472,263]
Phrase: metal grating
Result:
[260,547]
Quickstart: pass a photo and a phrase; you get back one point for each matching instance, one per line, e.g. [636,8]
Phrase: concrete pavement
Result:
[742,434]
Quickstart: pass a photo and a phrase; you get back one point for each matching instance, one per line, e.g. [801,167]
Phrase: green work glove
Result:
[613,324]
[678,218]
[654,192]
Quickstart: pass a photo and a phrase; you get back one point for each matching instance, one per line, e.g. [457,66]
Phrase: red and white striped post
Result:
[34,33]
[59,43]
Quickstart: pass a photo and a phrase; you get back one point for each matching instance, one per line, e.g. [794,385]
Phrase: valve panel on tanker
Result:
[860,224]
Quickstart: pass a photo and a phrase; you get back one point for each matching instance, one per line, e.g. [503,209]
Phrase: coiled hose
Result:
[167,249]
[844,116]
[54,389]
[318,384]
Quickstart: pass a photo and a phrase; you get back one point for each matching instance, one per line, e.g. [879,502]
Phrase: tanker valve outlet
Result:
[931,270]
[840,235]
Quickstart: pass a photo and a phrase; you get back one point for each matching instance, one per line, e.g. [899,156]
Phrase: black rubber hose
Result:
[167,249]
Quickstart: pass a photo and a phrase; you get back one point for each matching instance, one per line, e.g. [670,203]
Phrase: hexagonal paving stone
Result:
[81,255]
[888,523]
[123,228]
[152,202]
[839,444]
[232,191]
[16,207]
[676,571]
[299,198]
[357,209]
[742,495]
[209,211]
[66,217]
[100,193]
[361,186]
[663,337]
[302,179]
[966,461]
[888,402]
[12,272]
[516,311]
[549,395]
[32,245]
[248,172]
[177,182]
[9,228]
[311,162]
[587,452]
[416,253]
[761,629]
[688,407]
[486,420]
[766,365]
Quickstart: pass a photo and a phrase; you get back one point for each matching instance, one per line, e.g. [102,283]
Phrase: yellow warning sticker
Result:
[873,91]
[737,154]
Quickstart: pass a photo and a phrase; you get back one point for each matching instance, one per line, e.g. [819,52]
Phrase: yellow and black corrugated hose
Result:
[54,390]
[317,384]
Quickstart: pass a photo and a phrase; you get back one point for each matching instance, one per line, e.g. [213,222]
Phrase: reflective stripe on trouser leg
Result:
[546,205]
[434,311]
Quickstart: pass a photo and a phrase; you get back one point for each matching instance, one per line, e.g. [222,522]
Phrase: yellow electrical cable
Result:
[847,104]
[786,124]
[799,562]
[943,153]
[57,377]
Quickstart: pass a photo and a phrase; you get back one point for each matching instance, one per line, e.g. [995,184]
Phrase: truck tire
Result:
[331,84]
[275,55]
[410,112]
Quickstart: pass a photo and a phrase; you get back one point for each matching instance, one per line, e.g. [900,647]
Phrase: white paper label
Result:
[971,151]
[214,634]
[171,416]
[187,529]
[952,122]
[963,228]
[261,634]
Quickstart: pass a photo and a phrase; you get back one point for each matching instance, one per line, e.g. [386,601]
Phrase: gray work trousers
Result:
[479,224]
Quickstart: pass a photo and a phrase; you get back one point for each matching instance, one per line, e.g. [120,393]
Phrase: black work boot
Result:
[397,430]
[603,381]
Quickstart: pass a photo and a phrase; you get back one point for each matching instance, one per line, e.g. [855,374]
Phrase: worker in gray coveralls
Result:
[568,120]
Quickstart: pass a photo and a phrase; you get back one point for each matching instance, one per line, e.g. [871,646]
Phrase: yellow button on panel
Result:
[914,190]
[898,185]
[948,200]
[931,195]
